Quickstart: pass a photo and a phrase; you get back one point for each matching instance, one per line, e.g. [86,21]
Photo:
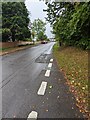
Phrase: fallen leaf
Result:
[46,110]
[57,97]
[72,108]
[86,86]
[50,86]
[83,88]
[79,84]
[84,101]
[33,106]
[80,110]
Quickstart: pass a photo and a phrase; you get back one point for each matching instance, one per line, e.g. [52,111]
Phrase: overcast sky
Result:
[35,7]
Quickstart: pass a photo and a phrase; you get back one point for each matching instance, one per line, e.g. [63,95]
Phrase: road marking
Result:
[49,50]
[50,65]
[51,60]
[32,115]
[47,74]
[42,88]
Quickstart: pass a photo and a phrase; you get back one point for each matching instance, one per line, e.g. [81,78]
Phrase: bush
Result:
[6,34]
[84,43]
[27,39]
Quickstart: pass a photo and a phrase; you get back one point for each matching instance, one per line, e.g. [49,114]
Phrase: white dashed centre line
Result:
[47,74]
[32,115]
[50,65]
[51,60]
[42,88]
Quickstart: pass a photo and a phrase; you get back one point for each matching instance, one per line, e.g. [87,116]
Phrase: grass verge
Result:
[73,62]
[4,51]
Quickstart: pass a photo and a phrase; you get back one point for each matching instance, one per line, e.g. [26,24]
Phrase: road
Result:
[33,87]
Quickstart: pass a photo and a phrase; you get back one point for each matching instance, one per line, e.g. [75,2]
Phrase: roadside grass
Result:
[13,49]
[73,62]
[5,49]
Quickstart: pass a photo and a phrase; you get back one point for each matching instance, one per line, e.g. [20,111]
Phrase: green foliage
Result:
[6,33]
[42,36]
[15,17]
[38,28]
[71,24]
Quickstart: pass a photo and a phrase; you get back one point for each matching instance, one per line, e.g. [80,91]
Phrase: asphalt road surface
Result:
[32,86]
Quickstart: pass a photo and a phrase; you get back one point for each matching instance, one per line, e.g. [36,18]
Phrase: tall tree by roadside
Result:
[71,22]
[15,21]
[38,27]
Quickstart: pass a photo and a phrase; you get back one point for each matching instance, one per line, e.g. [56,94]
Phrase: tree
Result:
[15,18]
[6,33]
[38,27]
[42,36]
[71,22]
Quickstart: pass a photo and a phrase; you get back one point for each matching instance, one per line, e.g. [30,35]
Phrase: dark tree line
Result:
[15,21]
[71,22]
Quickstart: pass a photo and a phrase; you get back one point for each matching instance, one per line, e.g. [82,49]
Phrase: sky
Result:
[35,8]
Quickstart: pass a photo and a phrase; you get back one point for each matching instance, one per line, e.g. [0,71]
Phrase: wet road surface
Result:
[31,81]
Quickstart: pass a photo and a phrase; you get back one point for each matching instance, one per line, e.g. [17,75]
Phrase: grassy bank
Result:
[4,51]
[73,62]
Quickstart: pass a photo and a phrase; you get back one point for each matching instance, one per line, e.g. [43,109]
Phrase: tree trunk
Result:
[60,43]
[13,37]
